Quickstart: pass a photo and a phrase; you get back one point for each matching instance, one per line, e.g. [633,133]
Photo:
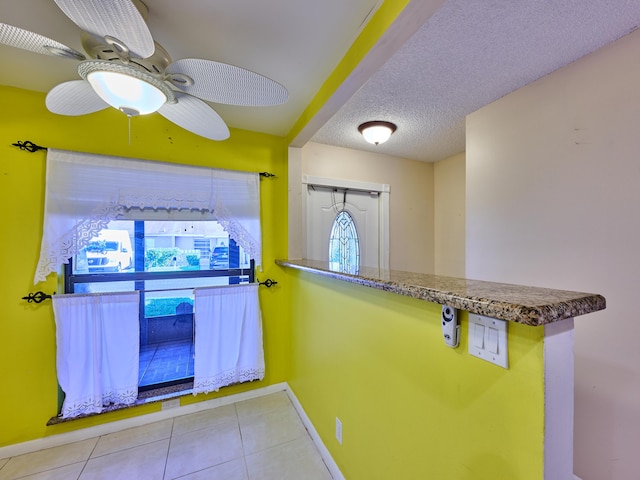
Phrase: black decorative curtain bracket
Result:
[37,297]
[268,283]
[28,146]
[267,175]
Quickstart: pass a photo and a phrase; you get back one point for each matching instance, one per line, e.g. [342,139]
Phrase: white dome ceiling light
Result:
[377,132]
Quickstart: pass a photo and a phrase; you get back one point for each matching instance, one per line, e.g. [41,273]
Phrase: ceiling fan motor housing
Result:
[99,49]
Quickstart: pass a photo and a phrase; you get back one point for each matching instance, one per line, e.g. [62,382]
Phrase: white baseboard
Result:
[576,477]
[111,427]
[324,452]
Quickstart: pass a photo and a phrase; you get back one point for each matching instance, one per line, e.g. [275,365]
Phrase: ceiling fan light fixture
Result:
[127,94]
[130,95]
[377,132]
[125,88]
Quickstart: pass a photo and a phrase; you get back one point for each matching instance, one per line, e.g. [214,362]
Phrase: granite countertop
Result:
[515,303]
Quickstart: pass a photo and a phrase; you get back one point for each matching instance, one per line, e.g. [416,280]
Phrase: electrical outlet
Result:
[339,430]
[167,404]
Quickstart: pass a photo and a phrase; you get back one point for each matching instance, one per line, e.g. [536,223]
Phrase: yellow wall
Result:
[412,408]
[27,342]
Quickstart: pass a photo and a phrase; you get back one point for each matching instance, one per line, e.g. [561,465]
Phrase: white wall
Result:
[553,200]
[449,216]
[411,210]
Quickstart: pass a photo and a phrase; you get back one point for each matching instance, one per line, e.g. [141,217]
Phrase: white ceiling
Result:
[294,42]
[468,54]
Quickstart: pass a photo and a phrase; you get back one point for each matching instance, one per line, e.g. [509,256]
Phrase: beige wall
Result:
[553,200]
[449,216]
[411,210]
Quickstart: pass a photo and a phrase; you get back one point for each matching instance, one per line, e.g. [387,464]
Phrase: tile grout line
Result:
[244,454]
[86,462]
[155,349]
[166,458]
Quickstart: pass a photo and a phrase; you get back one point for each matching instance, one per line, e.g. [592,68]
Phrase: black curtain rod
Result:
[40,296]
[32,147]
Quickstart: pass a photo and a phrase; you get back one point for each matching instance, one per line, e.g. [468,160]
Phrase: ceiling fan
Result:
[131,72]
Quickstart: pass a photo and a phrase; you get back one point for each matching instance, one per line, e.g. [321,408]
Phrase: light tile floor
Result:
[262,438]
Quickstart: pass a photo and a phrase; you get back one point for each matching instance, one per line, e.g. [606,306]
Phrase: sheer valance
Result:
[84,192]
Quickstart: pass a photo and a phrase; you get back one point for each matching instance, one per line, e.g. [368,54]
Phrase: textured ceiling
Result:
[460,58]
[468,54]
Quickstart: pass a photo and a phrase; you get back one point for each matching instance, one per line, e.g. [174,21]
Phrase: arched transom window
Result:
[344,250]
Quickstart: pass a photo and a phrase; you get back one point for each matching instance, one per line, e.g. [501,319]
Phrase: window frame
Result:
[138,277]
[71,279]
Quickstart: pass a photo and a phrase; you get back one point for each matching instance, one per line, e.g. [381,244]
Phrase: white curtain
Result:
[228,343]
[85,192]
[97,339]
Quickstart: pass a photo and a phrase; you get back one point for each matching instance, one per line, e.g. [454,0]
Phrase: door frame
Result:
[382,189]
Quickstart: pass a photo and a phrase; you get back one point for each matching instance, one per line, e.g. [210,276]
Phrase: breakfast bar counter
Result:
[515,303]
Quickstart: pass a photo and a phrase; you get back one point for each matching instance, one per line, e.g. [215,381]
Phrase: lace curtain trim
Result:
[80,235]
[60,251]
[167,199]
[97,404]
[213,384]
[238,233]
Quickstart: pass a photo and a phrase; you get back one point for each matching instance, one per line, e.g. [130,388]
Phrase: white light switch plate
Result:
[488,339]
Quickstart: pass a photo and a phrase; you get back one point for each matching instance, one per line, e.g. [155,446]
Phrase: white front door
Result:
[323,203]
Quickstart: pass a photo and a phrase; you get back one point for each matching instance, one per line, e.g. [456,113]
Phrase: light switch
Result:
[488,339]
[478,335]
[492,340]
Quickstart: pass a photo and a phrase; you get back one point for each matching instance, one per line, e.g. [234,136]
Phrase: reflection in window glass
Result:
[169,246]
[109,252]
[344,250]
[165,261]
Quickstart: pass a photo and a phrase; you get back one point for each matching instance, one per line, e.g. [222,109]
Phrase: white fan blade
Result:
[224,83]
[34,42]
[116,18]
[196,116]
[74,98]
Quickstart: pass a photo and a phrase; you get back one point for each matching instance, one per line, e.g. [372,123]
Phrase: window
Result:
[165,261]
[157,230]
[366,203]
[344,250]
